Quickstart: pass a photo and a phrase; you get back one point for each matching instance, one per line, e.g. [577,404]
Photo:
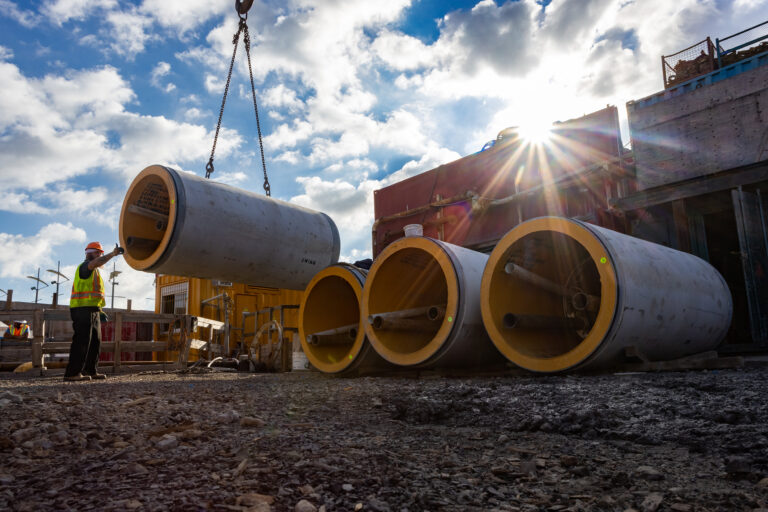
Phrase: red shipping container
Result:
[454,202]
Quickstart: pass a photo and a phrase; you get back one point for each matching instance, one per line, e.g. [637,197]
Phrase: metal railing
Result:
[722,53]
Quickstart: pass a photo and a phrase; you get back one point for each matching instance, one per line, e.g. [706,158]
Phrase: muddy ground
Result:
[303,441]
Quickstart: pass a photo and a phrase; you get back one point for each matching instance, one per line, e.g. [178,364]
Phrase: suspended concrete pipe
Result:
[421,306]
[559,294]
[181,224]
[330,326]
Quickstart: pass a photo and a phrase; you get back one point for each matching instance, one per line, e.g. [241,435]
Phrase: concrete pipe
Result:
[330,327]
[181,224]
[422,305]
[559,294]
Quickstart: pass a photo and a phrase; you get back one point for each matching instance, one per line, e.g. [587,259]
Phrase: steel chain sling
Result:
[242,12]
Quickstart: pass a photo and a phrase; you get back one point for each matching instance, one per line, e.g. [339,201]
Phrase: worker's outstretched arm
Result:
[97,262]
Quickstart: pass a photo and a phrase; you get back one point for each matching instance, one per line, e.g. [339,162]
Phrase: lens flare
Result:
[535,131]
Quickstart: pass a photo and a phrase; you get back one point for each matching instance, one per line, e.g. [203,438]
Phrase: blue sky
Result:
[353,95]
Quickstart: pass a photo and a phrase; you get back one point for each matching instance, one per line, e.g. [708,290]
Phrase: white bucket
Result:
[414,230]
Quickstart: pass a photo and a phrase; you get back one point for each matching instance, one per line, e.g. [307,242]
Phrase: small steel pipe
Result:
[135,242]
[515,321]
[534,279]
[430,312]
[331,340]
[382,323]
[339,336]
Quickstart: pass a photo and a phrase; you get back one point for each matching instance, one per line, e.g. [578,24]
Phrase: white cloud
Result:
[130,31]
[61,11]
[23,17]
[282,97]
[230,178]
[59,127]
[185,15]
[5,53]
[214,84]
[20,255]
[160,70]
[192,114]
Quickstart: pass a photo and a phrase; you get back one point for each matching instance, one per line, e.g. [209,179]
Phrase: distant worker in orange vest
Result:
[18,330]
[85,310]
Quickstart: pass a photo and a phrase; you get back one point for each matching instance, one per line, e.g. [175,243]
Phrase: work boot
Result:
[97,376]
[77,378]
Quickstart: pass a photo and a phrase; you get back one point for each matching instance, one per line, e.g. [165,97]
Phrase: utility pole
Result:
[37,286]
[59,275]
[112,277]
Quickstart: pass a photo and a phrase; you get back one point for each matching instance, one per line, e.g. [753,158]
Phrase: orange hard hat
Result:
[94,245]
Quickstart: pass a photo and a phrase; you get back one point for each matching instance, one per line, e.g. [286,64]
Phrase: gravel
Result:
[305,441]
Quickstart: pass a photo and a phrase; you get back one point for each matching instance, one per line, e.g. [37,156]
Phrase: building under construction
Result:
[691,181]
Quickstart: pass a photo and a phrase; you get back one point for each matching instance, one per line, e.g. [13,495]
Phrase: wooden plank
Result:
[726,180]
[38,333]
[60,315]
[62,347]
[9,300]
[207,322]
[149,317]
[117,336]
[204,345]
[19,313]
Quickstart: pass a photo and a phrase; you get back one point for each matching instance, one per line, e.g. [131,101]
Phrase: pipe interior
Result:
[331,303]
[561,259]
[409,278]
[145,219]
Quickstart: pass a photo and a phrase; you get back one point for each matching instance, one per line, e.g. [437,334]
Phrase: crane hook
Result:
[242,7]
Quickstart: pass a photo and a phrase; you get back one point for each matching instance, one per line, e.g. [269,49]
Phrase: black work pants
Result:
[86,342]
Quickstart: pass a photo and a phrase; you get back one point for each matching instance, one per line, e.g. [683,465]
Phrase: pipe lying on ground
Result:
[603,293]
[344,335]
[421,300]
[181,224]
[421,318]
[330,327]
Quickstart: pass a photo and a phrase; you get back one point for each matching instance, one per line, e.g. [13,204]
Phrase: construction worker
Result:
[18,330]
[85,310]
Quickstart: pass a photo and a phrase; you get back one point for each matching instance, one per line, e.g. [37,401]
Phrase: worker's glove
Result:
[118,250]
[103,316]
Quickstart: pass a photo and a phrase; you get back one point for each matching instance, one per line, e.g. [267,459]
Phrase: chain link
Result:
[247,41]
[242,27]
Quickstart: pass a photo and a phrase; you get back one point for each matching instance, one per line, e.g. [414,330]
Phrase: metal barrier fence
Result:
[179,337]
[698,59]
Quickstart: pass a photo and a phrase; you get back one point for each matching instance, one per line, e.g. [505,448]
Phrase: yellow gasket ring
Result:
[608,290]
[349,358]
[162,173]
[433,248]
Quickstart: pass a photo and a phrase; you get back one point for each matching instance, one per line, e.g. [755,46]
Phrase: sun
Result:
[535,130]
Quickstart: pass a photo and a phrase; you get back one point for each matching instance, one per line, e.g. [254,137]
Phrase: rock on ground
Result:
[304,441]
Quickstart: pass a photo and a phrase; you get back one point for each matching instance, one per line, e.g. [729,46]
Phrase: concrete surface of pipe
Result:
[422,305]
[330,327]
[610,291]
[181,224]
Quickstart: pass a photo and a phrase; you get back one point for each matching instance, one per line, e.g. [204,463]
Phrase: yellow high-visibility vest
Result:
[20,332]
[87,292]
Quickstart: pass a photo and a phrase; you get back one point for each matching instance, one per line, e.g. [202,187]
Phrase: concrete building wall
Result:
[715,127]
